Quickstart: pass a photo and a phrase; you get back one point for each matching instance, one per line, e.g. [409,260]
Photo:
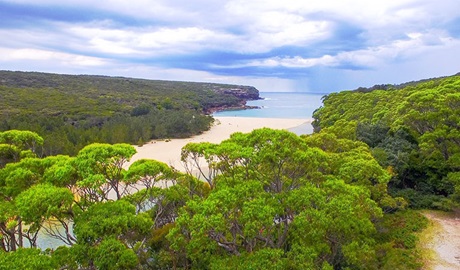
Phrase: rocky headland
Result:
[242,93]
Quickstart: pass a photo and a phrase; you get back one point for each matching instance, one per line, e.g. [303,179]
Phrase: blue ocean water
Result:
[280,105]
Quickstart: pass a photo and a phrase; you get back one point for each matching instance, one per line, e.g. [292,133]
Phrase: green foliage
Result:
[148,172]
[400,226]
[111,254]
[397,235]
[262,259]
[279,159]
[110,219]
[100,167]
[352,161]
[335,225]
[274,201]
[141,109]
[43,201]
[79,110]
[26,259]
[21,139]
[269,199]
[17,177]
[29,196]
[18,144]
[60,171]
[413,130]
[65,258]
[416,199]
[278,193]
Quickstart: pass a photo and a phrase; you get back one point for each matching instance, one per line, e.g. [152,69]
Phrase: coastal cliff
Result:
[242,93]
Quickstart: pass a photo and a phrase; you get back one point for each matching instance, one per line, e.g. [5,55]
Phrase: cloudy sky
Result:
[289,45]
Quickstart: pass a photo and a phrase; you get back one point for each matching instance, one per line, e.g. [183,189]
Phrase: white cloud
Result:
[99,39]
[381,33]
[372,57]
[147,41]
[380,20]
[58,58]
[261,25]
[179,37]
[295,34]
[263,84]
[142,41]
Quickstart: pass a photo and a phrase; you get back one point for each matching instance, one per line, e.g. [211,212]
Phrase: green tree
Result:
[412,128]
[111,219]
[28,184]
[272,193]
[147,173]
[111,232]
[111,254]
[17,144]
[100,167]
[27,259]
[43,202]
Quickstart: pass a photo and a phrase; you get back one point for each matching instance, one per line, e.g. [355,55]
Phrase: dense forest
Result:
[340,198]
[71,111]
[413,130]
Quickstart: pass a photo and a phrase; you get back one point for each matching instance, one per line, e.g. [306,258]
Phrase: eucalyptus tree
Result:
[273,193]
[412,130]
[33,191]
[17,144]
[101,171]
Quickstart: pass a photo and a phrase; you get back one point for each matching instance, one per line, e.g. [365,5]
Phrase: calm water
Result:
[280,105]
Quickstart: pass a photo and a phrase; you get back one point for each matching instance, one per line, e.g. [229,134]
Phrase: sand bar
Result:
[169,151]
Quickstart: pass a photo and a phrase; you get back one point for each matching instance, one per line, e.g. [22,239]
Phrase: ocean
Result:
[279,105]
[282,105]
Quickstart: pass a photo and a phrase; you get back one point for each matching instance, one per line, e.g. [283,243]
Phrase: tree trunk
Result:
[20,236]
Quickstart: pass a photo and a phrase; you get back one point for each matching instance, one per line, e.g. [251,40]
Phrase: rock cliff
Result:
[242,93]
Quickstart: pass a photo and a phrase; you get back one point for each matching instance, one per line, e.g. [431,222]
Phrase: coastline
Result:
[169,152]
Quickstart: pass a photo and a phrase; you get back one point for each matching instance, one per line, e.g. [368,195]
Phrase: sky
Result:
[317,46]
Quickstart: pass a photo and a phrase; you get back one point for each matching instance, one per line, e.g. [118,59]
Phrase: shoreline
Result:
[169,151]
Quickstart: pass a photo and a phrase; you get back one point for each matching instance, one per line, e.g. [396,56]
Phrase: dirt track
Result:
[445,241]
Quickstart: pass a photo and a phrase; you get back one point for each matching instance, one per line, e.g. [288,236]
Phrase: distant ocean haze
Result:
[279,105]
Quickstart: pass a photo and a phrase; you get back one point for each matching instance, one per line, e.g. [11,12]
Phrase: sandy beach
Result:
[169,151]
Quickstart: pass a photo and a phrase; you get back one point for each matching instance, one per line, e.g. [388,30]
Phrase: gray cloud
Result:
[233,40]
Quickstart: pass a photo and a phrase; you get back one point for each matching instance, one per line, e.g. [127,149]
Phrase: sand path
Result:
[446,240]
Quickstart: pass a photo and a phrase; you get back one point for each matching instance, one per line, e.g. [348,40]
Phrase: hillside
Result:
[70,111]
[413,131]
[334,199]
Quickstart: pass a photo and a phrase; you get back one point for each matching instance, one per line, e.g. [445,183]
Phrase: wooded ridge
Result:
[70,111]
[412,130]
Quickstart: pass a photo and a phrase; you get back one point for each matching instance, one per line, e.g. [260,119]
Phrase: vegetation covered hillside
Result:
[413,130]
[71,111]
